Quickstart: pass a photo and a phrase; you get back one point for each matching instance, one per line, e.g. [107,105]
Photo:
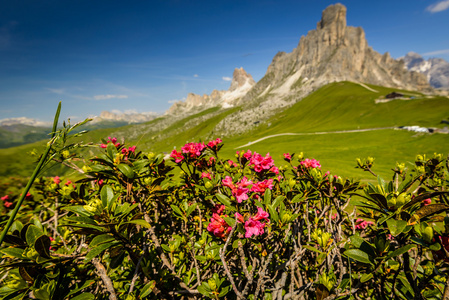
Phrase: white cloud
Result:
[196,75]
[107,97]
[227,78]
[437,52]
[176,100]
[56,91]
[439,6]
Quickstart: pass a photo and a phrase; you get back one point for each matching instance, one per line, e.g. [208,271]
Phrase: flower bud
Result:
[427,233]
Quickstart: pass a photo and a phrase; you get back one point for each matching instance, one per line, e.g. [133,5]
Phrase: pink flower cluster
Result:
[253,225]
[56,180]
[240,189]
[213,144]
[128,151]
[206,175]
[6,203]
[218,225]
[260,163]
[261,186]
[362,224]
[311,163]
[287,157]
[192,150]
[111,140]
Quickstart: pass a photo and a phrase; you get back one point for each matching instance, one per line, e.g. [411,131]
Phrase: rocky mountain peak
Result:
[435,69]
[240,78]
[334,16]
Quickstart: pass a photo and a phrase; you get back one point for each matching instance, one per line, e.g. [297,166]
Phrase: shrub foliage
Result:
[138,225]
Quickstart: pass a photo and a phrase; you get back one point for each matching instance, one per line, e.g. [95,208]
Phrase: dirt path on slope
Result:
[313,133]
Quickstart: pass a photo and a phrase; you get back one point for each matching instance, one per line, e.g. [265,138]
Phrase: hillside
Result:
[334,107]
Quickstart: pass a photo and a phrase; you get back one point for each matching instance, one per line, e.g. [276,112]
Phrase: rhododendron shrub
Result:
[129,226]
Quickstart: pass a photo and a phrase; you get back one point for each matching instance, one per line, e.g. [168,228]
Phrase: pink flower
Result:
[7,204]
[232,164]
[261,186]
[275,170]
[28,196]
[218,209]
[287,156]
[247,155]
[100,182]
[253,227]
[110,140]
[311,163]
[5,198]
[240,194]
[228,182]
[206,175]
[261,163]
[213,144]
[362,224]
[239,217]
[426,201]
[193,149]
[218,226]
[211,161]
[261,215]
[177,156]
[244,182]
[132,149]
[56,180]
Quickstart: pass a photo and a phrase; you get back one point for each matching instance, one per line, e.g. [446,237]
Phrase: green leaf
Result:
[267,197]
[79,209]
[84,296]
[273,213]
[126,170]
[396,226]
[224,200]
[147,289]
[32,233]
[191,209]
[13,252]
[140,222]
[308,247]
[106,195]
[277,201]
[230,221]
[358,255]
[98,250]
[400,251]
[366,277]
[111,150]
[100,239]
[42,246]
[177,211]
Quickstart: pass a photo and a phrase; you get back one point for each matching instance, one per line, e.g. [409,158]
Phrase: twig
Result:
[105,278]
[222,253]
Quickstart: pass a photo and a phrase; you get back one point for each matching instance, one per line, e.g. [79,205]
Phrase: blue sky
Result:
[143,55]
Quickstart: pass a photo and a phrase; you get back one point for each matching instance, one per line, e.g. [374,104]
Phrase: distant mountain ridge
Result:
[435,69]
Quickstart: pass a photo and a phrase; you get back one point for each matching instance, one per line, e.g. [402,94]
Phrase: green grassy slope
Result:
[337,106]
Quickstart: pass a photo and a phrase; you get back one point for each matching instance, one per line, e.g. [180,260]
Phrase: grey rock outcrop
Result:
[436,70]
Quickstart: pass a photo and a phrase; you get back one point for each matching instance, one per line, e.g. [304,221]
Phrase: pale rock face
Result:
[241,83]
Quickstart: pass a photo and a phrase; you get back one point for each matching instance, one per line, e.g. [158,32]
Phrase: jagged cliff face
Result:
[336,52]
[330,53]
[241,83]
[435,69]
